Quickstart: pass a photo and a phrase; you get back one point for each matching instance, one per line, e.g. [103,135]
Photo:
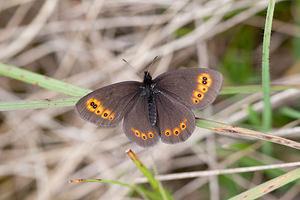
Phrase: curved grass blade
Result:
[229,129]
[156,185]
[143,192]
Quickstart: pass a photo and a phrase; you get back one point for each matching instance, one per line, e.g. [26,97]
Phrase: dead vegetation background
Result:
[83,42]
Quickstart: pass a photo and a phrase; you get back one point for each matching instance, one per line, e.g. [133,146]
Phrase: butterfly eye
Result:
[99,110]
[106,114]
[196,101]
[198,95]
[150,134]
[168,132]
[111,117]
[202,88]
[176,131]
[182,126]
[144,136]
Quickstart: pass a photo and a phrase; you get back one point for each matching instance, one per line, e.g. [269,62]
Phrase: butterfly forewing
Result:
[137,126]
[175,121]
[108,105]
[196,87]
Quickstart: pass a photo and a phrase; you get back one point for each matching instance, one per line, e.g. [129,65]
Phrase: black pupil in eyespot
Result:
[204,78]
[95,106]
[92,104]
[105,114]
[98,111]
[176,132]
[182,126]
[199,95]
[204,82]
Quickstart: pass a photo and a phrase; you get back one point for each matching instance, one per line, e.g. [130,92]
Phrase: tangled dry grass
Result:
[83,42]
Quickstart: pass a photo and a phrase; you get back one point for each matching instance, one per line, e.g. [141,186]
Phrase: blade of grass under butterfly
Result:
[153,182]
[47,103]
[269,186]
[229,129]
[143,192]
[41,81]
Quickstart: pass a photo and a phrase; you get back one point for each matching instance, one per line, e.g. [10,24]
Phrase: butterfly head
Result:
[147,78]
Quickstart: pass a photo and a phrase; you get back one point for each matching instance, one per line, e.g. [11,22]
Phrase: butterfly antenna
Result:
[153,61]
[129,65]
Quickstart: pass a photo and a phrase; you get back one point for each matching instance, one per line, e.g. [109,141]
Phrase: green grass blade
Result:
[17,105]
[267,113]
[269,186]
[41,81]
[290,112]
[254,88]
[143,192]
[153,182]
[47,103]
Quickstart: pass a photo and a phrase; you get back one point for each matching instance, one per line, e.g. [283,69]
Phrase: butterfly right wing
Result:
[108,105]
[195,87]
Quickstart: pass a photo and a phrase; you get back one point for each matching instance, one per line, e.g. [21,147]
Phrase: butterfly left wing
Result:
[137,126]
[194,87]
[107,106]
[176,122]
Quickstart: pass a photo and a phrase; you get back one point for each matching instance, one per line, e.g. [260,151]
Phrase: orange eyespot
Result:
[168,132]
[198,95]
[202,88]
[89,101]
[204,79]
[105,114]
[136,132]
[111,116]
[196,101]
[99,110]
[150,134]
[176,131]
[96,101]
[92,104]
[182,126]
[144,136]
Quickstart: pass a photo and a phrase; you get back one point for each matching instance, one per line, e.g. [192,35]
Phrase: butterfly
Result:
[154,109]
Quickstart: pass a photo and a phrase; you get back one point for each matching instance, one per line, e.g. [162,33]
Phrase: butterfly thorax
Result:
[149,90]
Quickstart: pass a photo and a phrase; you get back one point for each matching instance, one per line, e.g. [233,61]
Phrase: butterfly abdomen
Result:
[152,110]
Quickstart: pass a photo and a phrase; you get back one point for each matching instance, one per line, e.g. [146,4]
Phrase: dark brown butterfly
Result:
[153,109]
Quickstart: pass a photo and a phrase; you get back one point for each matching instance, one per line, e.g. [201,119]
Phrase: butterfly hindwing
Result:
[108,105]
[175,121]
[195,87]
[137,126]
